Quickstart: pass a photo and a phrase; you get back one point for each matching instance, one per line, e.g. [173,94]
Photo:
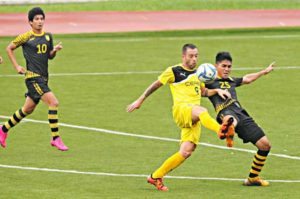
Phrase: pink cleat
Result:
[58,143]
[3,137]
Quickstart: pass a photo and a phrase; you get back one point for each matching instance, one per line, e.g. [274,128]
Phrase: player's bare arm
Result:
[56,48]
[137,103]
[224,94]
[249,78]
[10,52]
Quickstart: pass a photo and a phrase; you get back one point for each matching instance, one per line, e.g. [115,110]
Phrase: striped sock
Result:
[258,162]
[53,121]
[14,120]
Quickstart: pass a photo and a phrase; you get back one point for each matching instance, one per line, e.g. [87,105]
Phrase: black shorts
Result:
[37,87]
[246,127]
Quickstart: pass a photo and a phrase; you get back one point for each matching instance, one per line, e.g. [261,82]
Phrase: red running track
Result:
[99,22]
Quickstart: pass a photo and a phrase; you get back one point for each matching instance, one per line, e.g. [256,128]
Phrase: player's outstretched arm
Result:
[249,78]
[138,103]
[56,48]
[10,52]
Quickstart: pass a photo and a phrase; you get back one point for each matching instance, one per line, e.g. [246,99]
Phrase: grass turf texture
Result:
[154,5]
[100,101]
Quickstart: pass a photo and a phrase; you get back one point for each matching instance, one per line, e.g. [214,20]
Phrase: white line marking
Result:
[128,175]
[152,137]
[147,72]
[168,38]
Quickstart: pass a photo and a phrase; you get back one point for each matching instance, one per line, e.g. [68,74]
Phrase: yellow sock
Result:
[208,122]
[170,164]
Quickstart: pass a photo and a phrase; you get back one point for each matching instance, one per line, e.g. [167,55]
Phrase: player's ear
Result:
[30,23]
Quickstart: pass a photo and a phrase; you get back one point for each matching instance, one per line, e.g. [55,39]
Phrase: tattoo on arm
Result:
[153,87]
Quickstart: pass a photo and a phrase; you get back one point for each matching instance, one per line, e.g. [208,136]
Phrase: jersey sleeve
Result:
[51,41]
[21,39]
[238,81]
[167,76]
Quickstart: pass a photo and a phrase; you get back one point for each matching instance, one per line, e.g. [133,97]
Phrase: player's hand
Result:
[21,70]
[224,94]
[58,47]
[135,105]
[269,68]
[1,60]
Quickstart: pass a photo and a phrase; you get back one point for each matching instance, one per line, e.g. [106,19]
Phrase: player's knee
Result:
[54,103]
[267,146]
[186,154]
[28,110]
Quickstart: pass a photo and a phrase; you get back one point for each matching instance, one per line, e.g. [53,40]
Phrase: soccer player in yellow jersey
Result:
[37,48]
[186,90]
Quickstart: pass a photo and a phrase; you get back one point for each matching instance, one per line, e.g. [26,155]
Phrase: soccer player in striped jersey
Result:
[37,48]
[186,90]
[245,126]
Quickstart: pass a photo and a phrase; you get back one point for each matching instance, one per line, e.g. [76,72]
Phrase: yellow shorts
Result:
[182,115]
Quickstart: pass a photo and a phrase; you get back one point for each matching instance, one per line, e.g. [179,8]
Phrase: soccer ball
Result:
[206,72]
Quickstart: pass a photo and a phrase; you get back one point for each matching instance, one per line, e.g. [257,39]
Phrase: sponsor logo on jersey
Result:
[47,37]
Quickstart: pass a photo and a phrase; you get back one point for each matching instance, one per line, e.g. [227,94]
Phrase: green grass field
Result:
[153,5]
[99,101]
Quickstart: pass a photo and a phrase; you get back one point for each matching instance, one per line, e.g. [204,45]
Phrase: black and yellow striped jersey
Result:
[220,83]
[184,84]
[36,50]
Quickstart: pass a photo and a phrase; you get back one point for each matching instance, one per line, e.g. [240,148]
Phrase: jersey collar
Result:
[229,78]
[37,35]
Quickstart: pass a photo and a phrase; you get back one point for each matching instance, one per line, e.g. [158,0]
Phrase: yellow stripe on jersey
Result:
[22,38]
[30,74]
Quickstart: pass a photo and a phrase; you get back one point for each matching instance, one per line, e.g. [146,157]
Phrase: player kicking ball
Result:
[186,90]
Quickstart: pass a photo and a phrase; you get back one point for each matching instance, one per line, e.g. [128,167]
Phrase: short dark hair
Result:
[223,56]
[35,11]
[186,46]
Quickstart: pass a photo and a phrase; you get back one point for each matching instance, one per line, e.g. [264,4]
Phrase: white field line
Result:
[167,38]
[152,137]
[147,72]
[128,175]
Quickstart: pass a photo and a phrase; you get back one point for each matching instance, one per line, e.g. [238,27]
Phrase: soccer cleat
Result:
[227,131]
[158,183]
[3,137]
[58,143]
[257,181]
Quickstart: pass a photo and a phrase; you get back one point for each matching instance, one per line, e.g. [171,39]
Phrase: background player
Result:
[186,90]
[245,126]
[37,50]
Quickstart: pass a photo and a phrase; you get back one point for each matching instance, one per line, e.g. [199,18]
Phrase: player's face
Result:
[190,58]
[224,68]
[37,23]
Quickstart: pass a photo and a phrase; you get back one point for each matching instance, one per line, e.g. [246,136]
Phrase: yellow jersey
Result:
[184,84]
